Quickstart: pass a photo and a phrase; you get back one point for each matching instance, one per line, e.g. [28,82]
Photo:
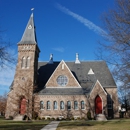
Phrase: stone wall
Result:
[65,112]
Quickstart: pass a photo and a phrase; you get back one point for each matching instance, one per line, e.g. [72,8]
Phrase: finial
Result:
[32,9]
[51,59]
[77,59]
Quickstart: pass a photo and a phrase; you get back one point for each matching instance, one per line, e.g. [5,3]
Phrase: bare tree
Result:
[22,99]
[116,49]
[5,56]
[3,100]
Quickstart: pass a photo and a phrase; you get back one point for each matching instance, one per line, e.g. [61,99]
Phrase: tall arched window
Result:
[68,105]
[55,105]
[48,105]
[23,62]
[82,105]
[41,105]
[61,105]
[109,102]
[28,62]
[75,105]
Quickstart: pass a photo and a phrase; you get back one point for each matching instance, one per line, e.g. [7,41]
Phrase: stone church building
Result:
[59,89]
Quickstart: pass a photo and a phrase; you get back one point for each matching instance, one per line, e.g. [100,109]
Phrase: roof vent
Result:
[90,71]
[77,59]
[51,59]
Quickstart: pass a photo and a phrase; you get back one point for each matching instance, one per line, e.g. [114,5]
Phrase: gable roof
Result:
[62,67]
[97,82]
[29,35]
[80,71]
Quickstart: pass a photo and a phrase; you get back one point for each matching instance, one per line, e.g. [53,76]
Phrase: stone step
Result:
[18,117]
[101,117]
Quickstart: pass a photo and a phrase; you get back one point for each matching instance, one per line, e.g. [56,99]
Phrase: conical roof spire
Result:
[29,35]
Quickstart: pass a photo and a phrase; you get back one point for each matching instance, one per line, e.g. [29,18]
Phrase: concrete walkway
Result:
[51,126]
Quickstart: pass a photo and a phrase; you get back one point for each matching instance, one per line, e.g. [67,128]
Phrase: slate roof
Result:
[62,91]
[80,71]
[29,35]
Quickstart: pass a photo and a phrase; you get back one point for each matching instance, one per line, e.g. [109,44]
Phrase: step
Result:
[18,117]
[101,117]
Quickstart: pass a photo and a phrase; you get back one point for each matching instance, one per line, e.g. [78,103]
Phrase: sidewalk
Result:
[51,126]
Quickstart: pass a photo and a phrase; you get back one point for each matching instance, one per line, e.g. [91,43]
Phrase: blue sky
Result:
[63,28]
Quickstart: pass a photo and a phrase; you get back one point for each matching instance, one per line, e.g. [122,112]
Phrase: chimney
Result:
[51,59]
[77,59]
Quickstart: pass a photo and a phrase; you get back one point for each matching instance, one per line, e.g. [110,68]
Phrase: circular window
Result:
[62,80]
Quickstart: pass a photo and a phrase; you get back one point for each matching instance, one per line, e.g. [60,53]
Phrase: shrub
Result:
[53,119]
[43,118]
[48,118]
[67,119]
[78,118]
[34,115]
[11,117]
[39,118]
[89,115]
[57,118]
[72,118]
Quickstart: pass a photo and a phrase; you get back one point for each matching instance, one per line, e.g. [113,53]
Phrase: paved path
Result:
[51,126]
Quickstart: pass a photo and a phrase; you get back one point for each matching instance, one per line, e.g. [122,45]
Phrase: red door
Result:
[23,106]
[98,105]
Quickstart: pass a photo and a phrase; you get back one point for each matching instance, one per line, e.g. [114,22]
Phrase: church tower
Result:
[28,53]
[21,93]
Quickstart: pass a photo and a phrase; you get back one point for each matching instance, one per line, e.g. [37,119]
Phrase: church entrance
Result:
[98,105]
[23,106]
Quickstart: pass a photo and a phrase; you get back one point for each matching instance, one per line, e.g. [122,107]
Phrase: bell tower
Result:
[28,53]
[21,90]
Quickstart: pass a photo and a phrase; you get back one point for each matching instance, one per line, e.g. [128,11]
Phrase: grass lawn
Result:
[123,124]
[22,125]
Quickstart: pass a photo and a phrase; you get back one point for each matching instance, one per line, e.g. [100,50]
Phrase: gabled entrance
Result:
[23,106]
[98,105]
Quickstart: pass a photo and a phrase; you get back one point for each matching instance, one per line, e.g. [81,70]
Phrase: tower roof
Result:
[29,35]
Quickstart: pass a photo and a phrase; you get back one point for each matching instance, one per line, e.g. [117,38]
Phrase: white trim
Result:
[100,86]
[68,70]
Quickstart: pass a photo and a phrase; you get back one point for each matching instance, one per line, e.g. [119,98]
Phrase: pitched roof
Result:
[80,71]
[62,91]
[29,35]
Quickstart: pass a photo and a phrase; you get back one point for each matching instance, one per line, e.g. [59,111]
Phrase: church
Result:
[59,89]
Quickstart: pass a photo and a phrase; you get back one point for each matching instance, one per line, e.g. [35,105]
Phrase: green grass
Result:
[95,125]
[22,125]
[119,124]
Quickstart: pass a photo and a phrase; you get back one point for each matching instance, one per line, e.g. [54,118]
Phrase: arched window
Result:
[41,105]
[55,105]
[75,105]
[68,105]
[48,105]
[23,62]
[82,105]
[61,105]
[28,62]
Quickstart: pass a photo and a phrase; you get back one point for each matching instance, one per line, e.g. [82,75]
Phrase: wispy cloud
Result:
[83,20]
[59,49]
